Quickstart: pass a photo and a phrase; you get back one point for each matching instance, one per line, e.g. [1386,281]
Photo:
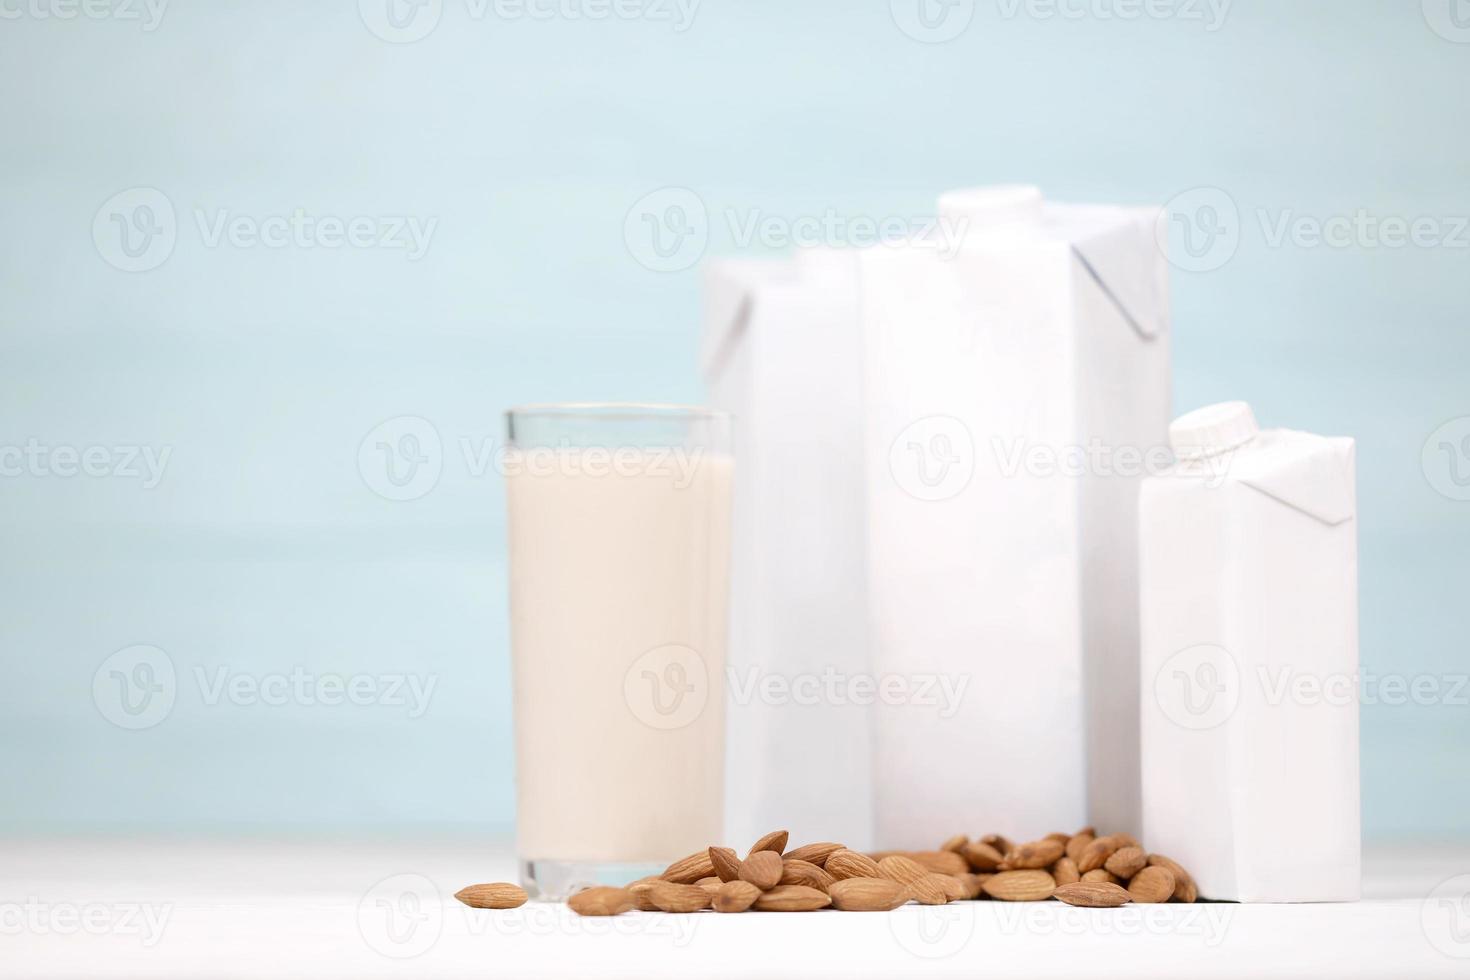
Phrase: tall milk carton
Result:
[781,353]
[1249,611]
[1016,390]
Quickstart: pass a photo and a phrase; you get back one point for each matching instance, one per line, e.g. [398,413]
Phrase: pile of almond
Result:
[1079,869]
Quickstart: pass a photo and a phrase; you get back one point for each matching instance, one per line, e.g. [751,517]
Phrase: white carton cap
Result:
[1213,430]
[985,207]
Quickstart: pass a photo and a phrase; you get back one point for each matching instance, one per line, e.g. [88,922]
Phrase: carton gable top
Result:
[1309,473]
[1114,247]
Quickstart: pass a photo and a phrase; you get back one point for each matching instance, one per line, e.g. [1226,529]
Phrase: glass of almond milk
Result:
[619,535]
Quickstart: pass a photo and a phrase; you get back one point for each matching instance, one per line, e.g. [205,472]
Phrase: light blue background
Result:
[263,549]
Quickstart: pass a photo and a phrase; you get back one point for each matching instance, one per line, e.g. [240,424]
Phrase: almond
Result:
[639,890]
[1021,886]
[1001,844]
[1126,840]
[928,889]
[762,869]
[1059,838]
[735,896]
[1078,843]
[1184,887]
[792,898]
[1096,854]
[726,863]
[774,841]
[497,895]
[667,896]
[954,889]
[686,871]
[1037,854]
[1092,895]
[1152,885]
[901,869]
[1088,831]
[1065,872]
[850,864]
[956,843]
[972,883]
[603,901]
[941,862]
[815,853]
[982,856]
[1126,862]
[794,872]
[711,884]
[1100,874]
[868,895]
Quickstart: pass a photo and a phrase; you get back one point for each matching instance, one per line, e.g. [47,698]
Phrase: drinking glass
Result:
[619,537]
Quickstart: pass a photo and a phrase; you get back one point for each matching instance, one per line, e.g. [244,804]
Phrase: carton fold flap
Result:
[1319,485]
[1113,258]
[729,299]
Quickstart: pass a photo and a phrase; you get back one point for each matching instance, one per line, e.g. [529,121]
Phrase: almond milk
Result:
[619,582]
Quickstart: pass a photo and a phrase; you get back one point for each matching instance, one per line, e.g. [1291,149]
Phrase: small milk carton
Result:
[1249,616]
[1016,391]
[781,353]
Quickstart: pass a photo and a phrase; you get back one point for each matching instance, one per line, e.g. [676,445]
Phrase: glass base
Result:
[555,881]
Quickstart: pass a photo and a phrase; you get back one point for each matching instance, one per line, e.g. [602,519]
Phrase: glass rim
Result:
[614,410]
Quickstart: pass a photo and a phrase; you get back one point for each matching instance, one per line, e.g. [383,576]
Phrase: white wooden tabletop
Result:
[153,908]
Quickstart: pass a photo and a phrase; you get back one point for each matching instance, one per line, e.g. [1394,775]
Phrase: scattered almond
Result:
[794,872]
[725,862]
[1092,895]
[762,869]
[774,841]
[1151,885]
[1096,854]
[640,889]
[735,896]
[843,863]
[497,895]
[928,889]
[982,856]
[686,871]
[1021,886]
[667,896]
[954,889]
[868,895]
[941,862]
[971,883]
[901,869]
[1038,854]
[602,901]
[792,898]
[1126,862]
[1079,869]
[1184,887]
[815,853]
[999,843]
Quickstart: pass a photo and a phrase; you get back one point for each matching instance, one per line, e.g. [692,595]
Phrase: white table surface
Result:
[128,908]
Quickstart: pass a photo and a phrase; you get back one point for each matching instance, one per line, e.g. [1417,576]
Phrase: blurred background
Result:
[272,270]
